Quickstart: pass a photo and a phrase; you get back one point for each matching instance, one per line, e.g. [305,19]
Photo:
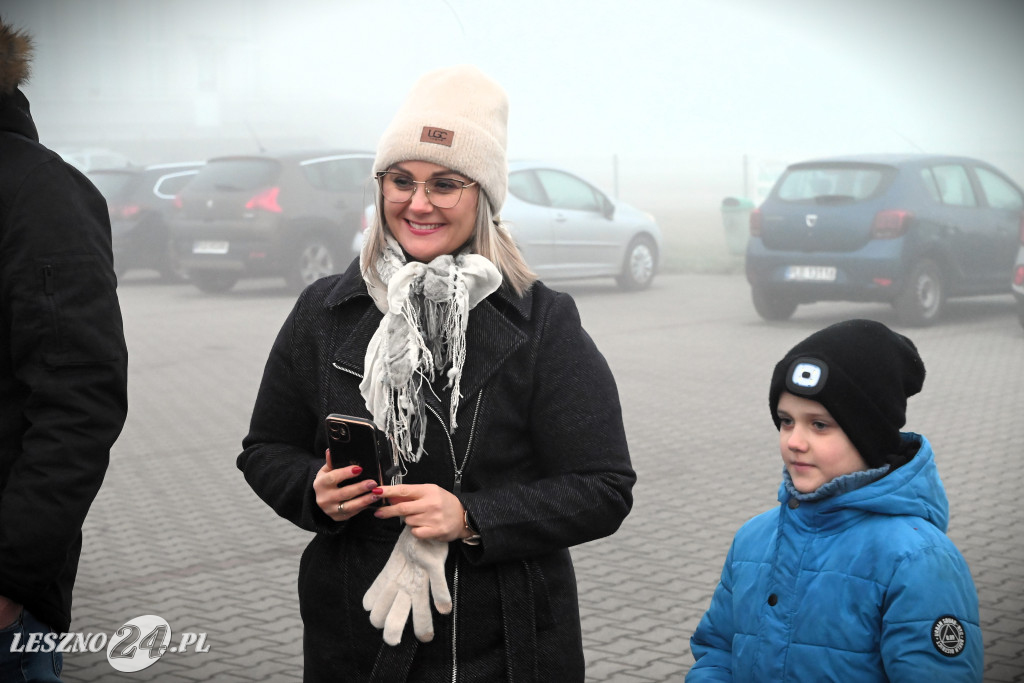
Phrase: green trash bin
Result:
[736,220]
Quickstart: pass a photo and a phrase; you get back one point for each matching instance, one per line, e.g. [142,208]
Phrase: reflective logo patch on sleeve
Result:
[948,636]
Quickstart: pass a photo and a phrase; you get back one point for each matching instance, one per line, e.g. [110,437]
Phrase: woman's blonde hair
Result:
[491,239]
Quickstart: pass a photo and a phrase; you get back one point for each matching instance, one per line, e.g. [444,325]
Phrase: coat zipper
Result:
[457,488]
[455,622]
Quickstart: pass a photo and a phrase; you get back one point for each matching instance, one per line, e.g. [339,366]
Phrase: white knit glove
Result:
[414,571]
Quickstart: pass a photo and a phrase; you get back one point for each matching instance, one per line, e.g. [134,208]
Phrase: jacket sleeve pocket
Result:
[83,323]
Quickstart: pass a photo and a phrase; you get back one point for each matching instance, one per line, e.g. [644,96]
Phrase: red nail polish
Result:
[357,470]
[378,491]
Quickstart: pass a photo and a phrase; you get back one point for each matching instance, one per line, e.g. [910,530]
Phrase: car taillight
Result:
[890,224]
[124,210]
[755,223]
[1018,276]
[266,200]
[177,201]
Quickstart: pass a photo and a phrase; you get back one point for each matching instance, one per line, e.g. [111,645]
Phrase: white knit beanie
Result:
[455,117]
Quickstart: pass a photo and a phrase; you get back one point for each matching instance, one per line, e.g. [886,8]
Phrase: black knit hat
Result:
[863,373]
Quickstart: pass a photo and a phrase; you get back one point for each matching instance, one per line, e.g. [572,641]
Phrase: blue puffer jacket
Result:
[860,586]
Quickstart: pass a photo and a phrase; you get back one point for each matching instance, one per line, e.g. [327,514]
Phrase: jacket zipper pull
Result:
[48,280]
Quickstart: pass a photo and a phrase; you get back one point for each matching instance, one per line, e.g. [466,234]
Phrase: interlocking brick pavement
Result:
[176,532]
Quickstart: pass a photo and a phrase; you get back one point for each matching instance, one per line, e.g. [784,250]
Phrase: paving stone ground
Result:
[176,532]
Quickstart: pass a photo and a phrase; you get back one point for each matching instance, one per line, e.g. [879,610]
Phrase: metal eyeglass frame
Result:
[380,182]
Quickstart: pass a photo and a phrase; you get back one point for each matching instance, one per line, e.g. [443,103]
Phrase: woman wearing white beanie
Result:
[504,417]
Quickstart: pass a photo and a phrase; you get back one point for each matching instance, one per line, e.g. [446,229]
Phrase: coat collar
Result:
[493,334]
[15,116]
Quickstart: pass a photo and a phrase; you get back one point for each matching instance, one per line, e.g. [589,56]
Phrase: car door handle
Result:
[560,217]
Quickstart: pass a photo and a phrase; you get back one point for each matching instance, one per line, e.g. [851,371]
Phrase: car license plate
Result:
[811,273]
[209,247]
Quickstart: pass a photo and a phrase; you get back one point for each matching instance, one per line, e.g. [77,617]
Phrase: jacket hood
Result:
[15,58]
[914,489]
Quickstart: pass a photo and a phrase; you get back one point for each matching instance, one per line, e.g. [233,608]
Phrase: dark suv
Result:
[911,230]
[139,200]
[292,215]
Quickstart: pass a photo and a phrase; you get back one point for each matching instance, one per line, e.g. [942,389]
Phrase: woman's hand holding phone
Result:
[341,501]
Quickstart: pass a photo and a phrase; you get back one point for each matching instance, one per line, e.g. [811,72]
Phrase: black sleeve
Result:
[277,457]
[66,365]
[579,446]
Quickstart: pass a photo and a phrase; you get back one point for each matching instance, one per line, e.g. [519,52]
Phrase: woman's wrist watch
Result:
[474,537]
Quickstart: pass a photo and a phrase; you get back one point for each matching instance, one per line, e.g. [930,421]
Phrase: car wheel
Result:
[923,296]
[1020,312]
[170,271]
[638,268]
[316,258]
[772,306]
[211,281]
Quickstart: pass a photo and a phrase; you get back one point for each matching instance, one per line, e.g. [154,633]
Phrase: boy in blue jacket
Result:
[852,577]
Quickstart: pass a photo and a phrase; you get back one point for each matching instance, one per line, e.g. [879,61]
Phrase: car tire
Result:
[639,266]
[170,271]
[212,281]
[923,297]
[316,257]
[1020,312]
[772,306]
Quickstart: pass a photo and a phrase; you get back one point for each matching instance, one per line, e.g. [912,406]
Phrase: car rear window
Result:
[833,183]
[338,174]
[111,184]
[235,174]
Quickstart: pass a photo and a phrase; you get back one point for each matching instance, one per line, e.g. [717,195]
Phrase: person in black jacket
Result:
[507,434]
[63,367]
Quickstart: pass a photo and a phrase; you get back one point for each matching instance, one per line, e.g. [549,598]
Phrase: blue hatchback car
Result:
[911,230]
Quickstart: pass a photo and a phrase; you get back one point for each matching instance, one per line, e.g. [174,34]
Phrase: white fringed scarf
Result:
[426,311]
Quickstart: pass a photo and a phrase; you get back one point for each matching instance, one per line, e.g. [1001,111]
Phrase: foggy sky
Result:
[682,87]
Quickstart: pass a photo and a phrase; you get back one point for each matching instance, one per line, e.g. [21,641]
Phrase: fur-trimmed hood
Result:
[15,57]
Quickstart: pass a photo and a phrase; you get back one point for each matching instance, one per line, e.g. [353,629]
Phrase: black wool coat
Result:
[544,466]
[63,364]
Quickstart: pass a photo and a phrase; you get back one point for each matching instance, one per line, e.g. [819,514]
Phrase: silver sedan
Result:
[566,228]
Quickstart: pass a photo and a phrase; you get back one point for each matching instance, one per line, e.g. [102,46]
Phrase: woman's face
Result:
[423,230]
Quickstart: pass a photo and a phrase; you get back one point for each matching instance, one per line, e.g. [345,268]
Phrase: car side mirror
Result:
[607,208]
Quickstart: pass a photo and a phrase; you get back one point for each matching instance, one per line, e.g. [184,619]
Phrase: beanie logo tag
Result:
[807,376]
[437,136]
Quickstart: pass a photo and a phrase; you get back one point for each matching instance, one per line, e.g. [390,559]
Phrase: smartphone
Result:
[357,441]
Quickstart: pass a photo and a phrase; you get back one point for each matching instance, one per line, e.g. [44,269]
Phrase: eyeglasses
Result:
[444,193]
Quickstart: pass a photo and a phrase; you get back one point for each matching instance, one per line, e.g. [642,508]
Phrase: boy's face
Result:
[814,448]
